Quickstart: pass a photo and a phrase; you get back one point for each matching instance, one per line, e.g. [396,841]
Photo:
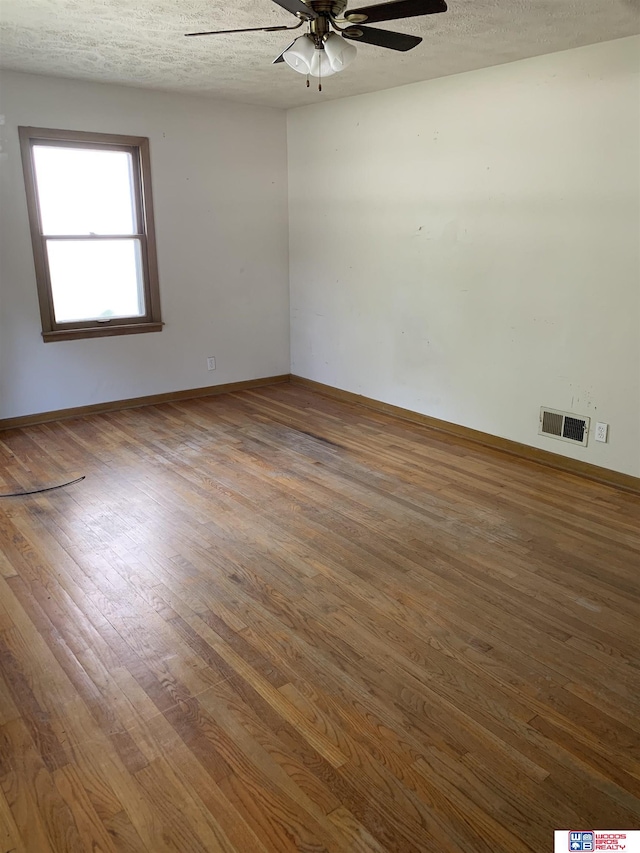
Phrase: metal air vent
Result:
[564,425]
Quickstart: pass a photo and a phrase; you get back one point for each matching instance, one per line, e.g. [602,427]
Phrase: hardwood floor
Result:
[271,621]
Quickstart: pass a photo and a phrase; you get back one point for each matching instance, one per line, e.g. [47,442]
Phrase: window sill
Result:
[101,331]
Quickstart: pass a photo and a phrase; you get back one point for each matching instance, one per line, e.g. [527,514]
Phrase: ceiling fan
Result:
[324,49]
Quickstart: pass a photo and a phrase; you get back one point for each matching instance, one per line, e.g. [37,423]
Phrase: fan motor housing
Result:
[328,7]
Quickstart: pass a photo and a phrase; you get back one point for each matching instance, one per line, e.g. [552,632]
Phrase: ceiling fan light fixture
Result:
[339,52]
[334,54]
[321,52]
[300,55]
[320,65]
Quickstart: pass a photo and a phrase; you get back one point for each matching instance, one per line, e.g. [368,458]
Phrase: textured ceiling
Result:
[141,43]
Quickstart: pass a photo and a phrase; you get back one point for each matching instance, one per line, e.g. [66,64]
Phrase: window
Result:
[91,219]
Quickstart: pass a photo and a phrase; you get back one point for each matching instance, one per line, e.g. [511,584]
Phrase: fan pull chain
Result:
[307,81]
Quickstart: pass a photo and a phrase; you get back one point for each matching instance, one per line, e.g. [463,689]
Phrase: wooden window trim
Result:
[138,146]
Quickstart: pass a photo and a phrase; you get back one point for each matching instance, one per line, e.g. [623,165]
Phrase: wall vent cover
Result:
[564,425]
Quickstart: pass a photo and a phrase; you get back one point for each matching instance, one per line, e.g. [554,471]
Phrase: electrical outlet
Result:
[601,431]
[211,363]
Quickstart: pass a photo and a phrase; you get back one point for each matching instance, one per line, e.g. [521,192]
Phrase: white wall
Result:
[219,180]
[469,247]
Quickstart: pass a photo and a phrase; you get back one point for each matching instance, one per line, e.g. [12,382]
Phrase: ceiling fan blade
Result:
[246,30]
[298,8]
[281,57]
[394,10]
[382,38]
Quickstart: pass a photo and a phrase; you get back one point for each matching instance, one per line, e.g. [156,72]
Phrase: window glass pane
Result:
[85,190]
[95,279]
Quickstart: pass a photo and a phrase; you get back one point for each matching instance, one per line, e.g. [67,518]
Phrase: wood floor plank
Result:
[41,800]
[356,836]
[35,717]
[8,709]
[10,836]
[198,782]
[91,830]
[184,826]
[273,621]
[267,748]
[123,835]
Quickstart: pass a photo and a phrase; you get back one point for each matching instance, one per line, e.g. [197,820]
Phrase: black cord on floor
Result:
[46,489]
